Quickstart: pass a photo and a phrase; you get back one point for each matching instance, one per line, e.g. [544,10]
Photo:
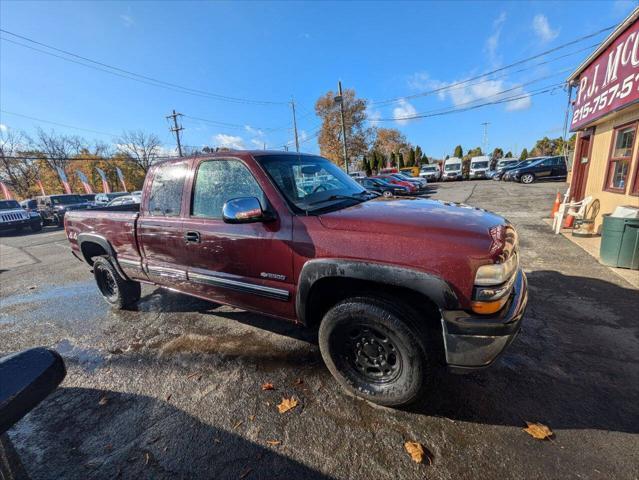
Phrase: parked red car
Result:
[293,236]
[395,181]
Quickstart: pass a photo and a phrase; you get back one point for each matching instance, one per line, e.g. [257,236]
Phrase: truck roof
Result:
[226,153]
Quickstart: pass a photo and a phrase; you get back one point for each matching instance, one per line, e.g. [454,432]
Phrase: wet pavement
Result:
[172,389]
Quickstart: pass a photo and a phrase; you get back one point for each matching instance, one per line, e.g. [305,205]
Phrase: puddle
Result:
[87,358]
[249,345]
[44,294]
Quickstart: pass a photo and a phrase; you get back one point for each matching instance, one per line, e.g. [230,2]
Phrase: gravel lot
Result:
[172,390]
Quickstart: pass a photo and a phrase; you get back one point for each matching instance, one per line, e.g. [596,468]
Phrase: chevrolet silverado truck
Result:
[395,287]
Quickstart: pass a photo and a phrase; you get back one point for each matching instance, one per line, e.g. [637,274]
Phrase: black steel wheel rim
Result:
[106,282]
[367,353]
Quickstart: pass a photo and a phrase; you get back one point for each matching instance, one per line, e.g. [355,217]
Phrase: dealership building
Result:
[605,117]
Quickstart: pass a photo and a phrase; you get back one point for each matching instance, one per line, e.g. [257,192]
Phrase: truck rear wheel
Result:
[117,291]
[374,350]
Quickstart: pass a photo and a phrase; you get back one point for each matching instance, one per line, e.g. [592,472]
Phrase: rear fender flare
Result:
[105,244]
[432,286]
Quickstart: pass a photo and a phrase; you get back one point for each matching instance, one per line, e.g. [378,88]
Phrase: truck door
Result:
[160,231]
[544,168]
[248,265]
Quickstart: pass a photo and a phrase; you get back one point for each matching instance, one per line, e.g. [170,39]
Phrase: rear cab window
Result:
[167,187]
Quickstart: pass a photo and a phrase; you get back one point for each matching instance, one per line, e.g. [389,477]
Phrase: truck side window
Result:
[166,190]
[218,181]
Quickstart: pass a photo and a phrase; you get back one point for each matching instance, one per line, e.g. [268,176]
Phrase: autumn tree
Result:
[459,152]
[393,159]
[509,154]
[524,154]
[140,147]
[418,155]
[330,136]
[389,140]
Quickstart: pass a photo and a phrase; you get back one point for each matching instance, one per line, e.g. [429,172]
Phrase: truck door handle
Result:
[192,237]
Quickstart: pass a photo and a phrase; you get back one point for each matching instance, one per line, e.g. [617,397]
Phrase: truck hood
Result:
[72,206]
[410,216]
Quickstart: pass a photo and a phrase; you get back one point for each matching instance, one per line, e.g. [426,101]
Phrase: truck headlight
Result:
[497,273]
[493,284]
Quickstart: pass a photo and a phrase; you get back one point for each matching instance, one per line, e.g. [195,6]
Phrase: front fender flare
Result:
[432,286]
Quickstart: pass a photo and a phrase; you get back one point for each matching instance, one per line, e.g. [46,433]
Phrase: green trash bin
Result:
[620,242]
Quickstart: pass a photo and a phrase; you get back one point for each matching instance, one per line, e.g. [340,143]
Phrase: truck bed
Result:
[117,224]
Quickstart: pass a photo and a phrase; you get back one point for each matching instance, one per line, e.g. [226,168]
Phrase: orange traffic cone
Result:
[555,207]
[569,219]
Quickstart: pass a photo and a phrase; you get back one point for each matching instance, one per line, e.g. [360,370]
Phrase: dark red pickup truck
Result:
[395,286]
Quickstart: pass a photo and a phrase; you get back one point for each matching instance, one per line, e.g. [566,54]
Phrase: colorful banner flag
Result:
[121,177]
[6,192]
[64,180]
[105,184]
[85,181]
[39,182]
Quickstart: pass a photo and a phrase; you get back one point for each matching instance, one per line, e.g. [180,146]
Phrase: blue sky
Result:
[270,51]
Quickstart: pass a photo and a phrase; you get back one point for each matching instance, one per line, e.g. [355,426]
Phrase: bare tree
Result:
[59,148]
[140,147]
[17,168]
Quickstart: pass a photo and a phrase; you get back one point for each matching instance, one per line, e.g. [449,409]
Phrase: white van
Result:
[452,169]
[479,167]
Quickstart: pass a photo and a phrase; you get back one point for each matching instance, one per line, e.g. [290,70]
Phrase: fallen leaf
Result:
[168,397]
[103,401]
[31,287]
[192,375]
[217,440]
[273,442]
[251,417]
[415,450]
[245,473]
[287,404]
[146,458]
[298,381]
[238,424]
[267,386]
[538,431]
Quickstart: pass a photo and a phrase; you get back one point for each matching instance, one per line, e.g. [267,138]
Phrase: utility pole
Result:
[340,99]
[485,141]
[176,129]
[297,143]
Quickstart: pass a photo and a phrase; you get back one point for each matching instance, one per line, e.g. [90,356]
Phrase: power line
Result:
[483,75]
[439,112]
[132,75]
[237,125]
[176,129]
[59,124]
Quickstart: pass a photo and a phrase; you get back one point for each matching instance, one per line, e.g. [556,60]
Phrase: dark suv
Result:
[545,168]
[53,207]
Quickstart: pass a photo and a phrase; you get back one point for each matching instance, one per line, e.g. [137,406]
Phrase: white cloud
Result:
[254,131]
[302,135]
[127,20]
[492,43]
[257,143]
[523,102]
[229,141]
[3,127]
[542,28]
[404,109]
[373,115]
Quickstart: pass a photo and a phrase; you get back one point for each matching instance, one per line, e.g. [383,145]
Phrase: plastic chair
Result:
[575,209]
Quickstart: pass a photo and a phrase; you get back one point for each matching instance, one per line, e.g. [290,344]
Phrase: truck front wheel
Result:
[375,350]
[119,292]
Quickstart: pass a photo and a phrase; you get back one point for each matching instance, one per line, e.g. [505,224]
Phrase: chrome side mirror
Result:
[244,210]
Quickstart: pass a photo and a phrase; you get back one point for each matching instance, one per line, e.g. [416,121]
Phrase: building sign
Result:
[610,82]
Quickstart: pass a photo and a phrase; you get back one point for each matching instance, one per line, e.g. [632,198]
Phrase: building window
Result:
[620,158]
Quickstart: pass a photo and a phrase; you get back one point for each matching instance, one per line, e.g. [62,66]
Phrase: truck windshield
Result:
[311,183]
[480,165]
[429,169]
[506,163]
[66,199]
[9,205]
[452,166]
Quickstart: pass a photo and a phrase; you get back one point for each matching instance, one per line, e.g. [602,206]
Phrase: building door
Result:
[581,166]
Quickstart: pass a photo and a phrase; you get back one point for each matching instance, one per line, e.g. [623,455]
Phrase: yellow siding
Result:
[599,163]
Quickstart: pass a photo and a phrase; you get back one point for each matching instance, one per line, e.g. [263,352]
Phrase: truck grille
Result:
[11,217]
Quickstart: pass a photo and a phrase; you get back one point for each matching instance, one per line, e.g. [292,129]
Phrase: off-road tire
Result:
[117,291]
[527,178]
[355,329]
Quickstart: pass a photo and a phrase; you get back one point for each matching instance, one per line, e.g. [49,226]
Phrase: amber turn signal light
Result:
[488,308]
